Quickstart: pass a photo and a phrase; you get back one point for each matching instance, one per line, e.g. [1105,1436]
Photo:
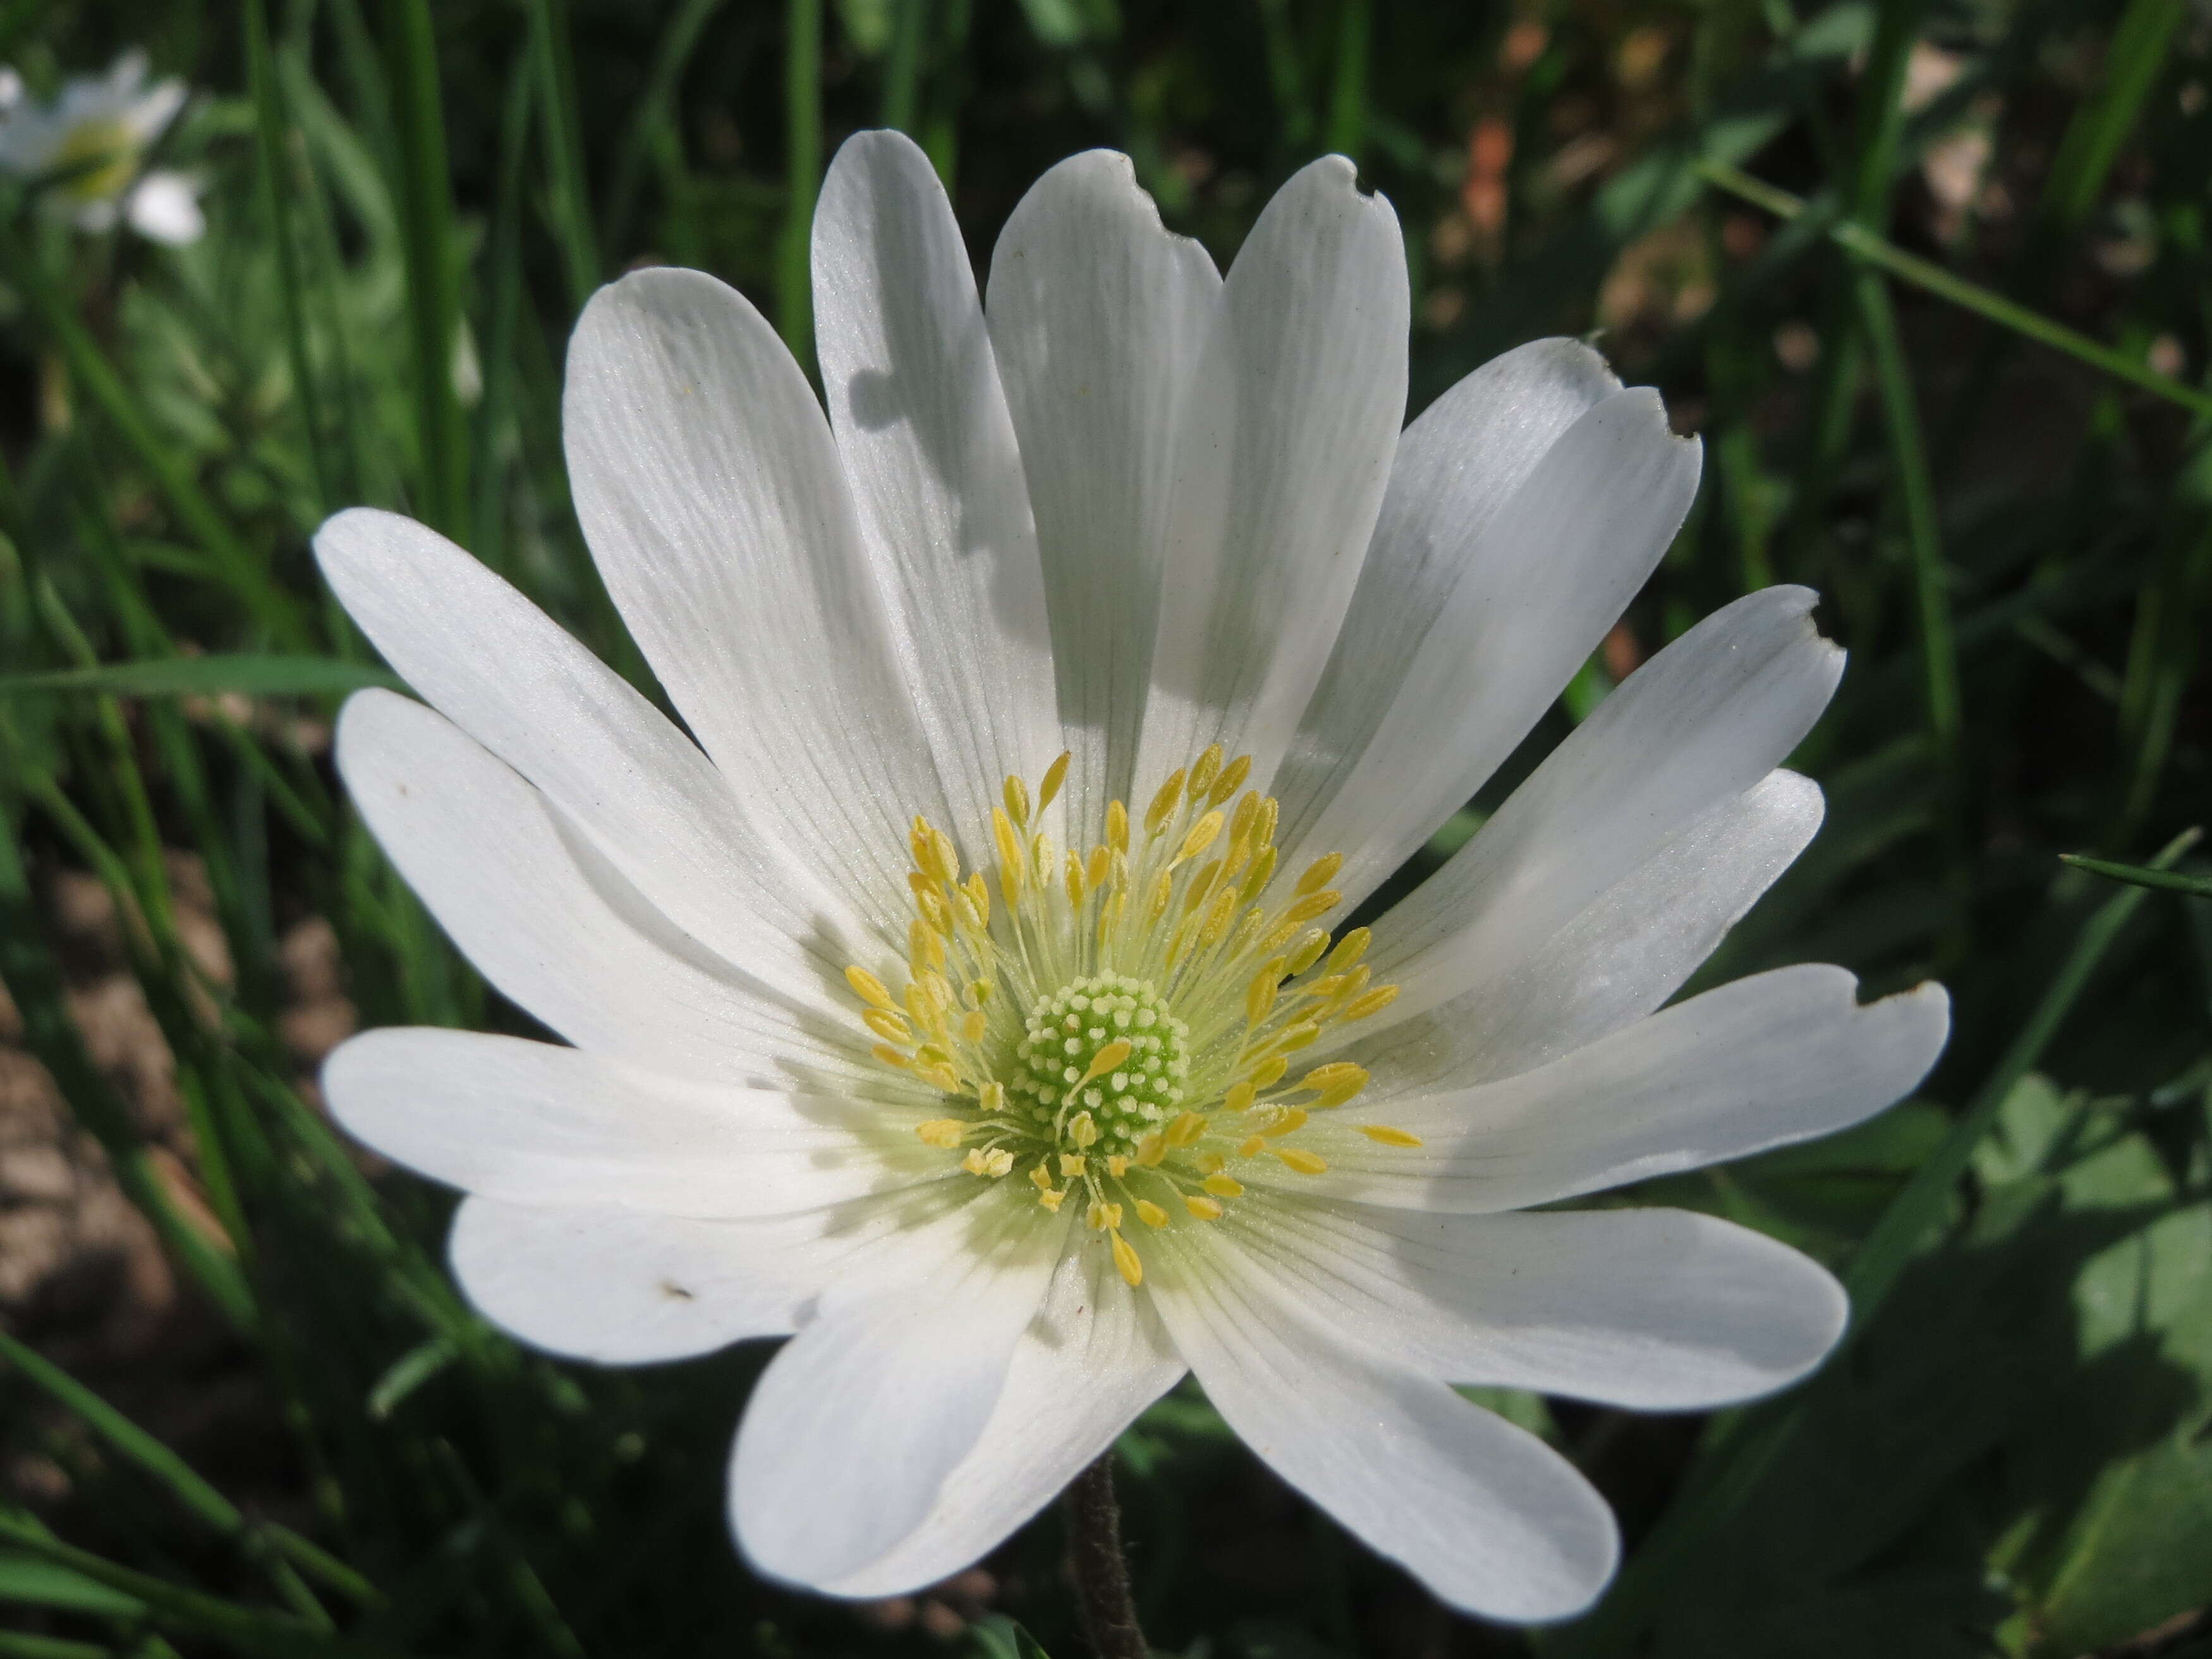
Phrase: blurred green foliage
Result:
[406,204]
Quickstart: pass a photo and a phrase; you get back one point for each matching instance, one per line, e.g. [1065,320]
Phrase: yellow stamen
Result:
[892,1028]
[1298,1158]
[996,1162]
[1151,1151]
[1103,1216]
[1117,827]
[1082,1130]
[946,1132]
[1072,1166]
[1126,1259]
[1389,1136]
[870,990]
[1151,1214]
[1051,1198]
[1186,1130]
[1202,1209]
[1252,1147]
[1373,1003]
[1231,780]
[1308,952]
[1224,1185]
[1163,803]
[1017,795]
[1054,775]
[1319,874]
[1107,1059]
[1205,769]
[1117,1165]
[1200,836]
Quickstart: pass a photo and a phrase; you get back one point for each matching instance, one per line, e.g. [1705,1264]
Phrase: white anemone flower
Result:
[1010,1103]
[96,133]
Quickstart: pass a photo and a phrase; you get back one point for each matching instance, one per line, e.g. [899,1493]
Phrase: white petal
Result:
[549,925]
[854,1427]
[1624,955]
[1660,1310]
[1457,469]
[1286,448]
[1539,584]
[164,207]
[1695,726]
[1766,1061]
[502,670]
[922,426]
[709,488]
[623,1287]
[1096,314]
[533,1123]
[1490,1518]
[1093,1359]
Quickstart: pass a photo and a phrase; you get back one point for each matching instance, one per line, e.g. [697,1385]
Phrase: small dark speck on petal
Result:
[671,1289]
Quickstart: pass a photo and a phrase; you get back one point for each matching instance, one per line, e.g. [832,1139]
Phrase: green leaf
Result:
[999,1637]
[27,1581]
[2136,875]
[248,673]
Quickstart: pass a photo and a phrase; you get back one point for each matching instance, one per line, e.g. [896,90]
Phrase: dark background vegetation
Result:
[241,1410]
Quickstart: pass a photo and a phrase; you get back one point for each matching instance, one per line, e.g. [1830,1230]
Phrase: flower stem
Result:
[1102,1576]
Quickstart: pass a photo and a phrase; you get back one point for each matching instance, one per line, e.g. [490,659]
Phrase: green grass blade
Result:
[272,139]
[901,106]
[2141,875]
[19,1644]
[1347,98]
[433,263]
[568,188]
[2094,137]
[246,575]
[656,109]
[802,119]
[1931,591]
[1932,278]
[249,673]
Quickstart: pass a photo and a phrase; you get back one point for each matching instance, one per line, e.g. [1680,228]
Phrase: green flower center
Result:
[1055,1071]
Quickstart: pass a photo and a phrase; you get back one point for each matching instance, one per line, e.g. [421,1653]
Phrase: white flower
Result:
[1010,1150]
[96,134]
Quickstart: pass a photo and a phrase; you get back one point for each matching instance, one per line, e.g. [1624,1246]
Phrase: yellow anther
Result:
[1017,795]
[1151,1214]
[1311,906]
[947,858]
[1279,1121]
[1151,1151]
[1102,1215]
[972,1026]
[1075,881]
[1270,812]
[1200,885]
[1321,871]
[1269,1071]
[1117,1165]
[1307,951]
[891,1056]
[993,1098]
[1334,1072]
[996,1162]
[1216,918]
[1117,826]
[1041,1176]
[1012,860]
[924,949]
[1252,1147]
[1163,803]
[1072,1166]
[890,1027]
[1210,1163]
[1054,775]
[1102,860]
[979,895]
[1224,1185]
[1349,949]
[944,1132]
[979,992]
[1202,1209]
[1336,1094]
[1241,820]
[1231,780]
[1081,1130]
[940,1077]
[1298,1158]
[1298,1037]
[1261,872]
[1125,1260]
[1162,890]
[1050,1198]
[1186,1131]
[1373,1003]
[1113,1055]
[869,988]
[1206,769]
[1200,836]
[1239,1095]
[1389,1137]
[1260,994]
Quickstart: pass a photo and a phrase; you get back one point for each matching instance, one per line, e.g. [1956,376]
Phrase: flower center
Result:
[104,156]
[1122,1021]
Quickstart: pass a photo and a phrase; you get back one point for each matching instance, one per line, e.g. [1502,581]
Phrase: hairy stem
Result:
[1102,1576]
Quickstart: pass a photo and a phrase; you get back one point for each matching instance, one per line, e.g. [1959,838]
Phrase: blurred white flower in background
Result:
[91,140]
[1008,1102]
